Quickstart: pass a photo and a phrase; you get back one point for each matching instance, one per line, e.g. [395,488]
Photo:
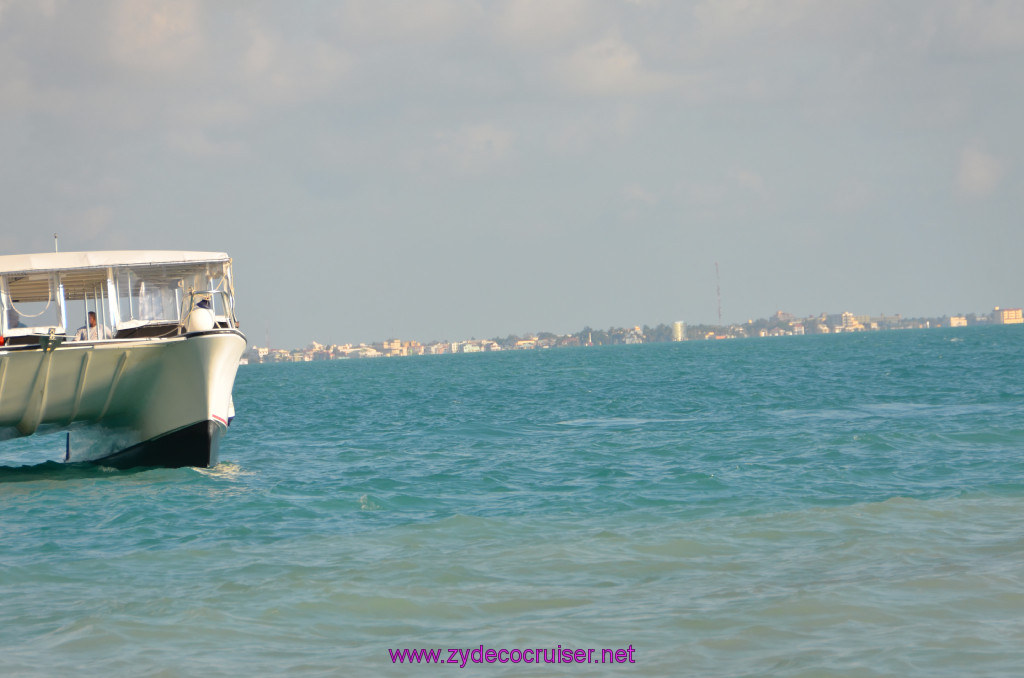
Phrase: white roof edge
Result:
[64,261]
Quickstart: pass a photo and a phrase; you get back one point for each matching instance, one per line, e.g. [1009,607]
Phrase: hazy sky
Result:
[435,169]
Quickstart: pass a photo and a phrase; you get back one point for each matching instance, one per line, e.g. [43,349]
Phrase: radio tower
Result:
[718,291]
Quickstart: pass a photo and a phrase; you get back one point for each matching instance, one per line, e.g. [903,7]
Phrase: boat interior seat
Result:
[24,340]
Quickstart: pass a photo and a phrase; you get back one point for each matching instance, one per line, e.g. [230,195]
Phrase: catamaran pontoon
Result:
[148,382]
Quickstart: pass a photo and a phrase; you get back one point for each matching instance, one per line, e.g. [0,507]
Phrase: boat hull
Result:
[146,402]
[194,445]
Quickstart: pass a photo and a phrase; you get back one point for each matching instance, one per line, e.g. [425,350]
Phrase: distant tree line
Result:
[782,323]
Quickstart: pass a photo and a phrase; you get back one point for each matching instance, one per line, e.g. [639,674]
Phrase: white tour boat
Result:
[134,353]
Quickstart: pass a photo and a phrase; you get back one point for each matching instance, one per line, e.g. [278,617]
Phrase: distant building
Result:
[958,321]
[633,336]
[1008,316]
[679,331]
[850,323]
[882,322]
[391,347]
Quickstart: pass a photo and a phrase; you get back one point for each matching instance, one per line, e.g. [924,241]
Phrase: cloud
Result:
[46,8]
[198,143]
[542,21]
[637,193]
[292,71]
[87,186]
[728,192]
[720,21]
[610,67]
[475,148]
[987,25]
[980,173]
[404,21]
[704,193]
[751,181]
[156,36]
[221,109]
[579,133]
[81,227]
[853,196]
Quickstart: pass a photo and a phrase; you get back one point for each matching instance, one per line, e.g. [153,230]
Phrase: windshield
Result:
[155,294]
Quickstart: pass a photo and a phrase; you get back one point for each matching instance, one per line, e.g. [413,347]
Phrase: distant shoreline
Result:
[779,325]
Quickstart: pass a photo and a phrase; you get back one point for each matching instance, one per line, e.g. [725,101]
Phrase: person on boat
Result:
[93,331]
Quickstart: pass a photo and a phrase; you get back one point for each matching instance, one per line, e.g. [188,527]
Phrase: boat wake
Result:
[55,470]
[224,470]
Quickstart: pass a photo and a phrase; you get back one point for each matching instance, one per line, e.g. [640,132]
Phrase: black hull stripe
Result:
[194,445]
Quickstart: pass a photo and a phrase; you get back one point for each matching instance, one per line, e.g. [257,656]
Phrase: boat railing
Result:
[221,315]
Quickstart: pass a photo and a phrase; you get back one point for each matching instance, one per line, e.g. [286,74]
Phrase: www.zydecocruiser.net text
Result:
[463,656]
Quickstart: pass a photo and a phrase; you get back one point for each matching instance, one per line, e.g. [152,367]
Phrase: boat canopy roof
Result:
[28,275]
[72,261]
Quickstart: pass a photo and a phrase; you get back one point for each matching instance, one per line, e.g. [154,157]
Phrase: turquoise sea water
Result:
[807,506]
